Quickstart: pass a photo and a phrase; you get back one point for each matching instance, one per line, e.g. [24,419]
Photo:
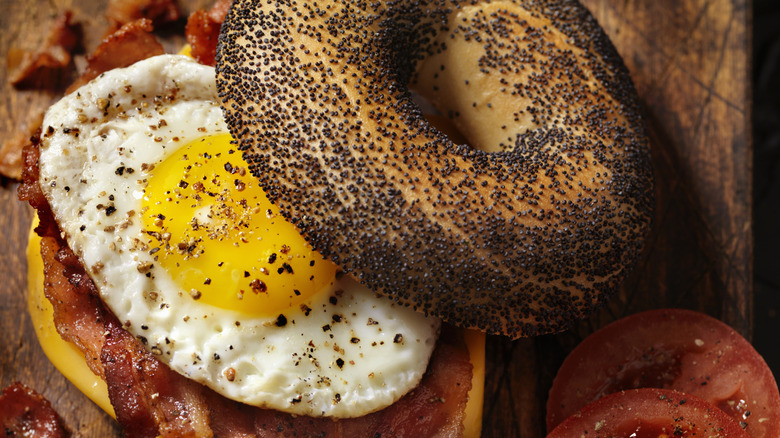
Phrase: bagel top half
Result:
[531,225]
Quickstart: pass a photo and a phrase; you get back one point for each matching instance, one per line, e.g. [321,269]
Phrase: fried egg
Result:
[185,249]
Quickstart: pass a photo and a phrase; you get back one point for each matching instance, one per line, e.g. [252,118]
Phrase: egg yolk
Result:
[215,232]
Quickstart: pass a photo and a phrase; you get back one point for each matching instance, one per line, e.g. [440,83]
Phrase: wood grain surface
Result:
[689,60]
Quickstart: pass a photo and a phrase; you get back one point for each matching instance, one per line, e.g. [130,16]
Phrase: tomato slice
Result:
[649,413]
[674,349]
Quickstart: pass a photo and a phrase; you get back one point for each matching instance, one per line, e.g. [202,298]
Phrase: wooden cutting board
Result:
[689,60]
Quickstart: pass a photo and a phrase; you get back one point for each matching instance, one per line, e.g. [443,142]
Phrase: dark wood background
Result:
[690,62]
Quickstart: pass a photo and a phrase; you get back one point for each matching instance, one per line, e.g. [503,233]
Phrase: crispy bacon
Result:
[160,12]
[128,45]
[202,31]
[24,412]
[149,398]
[78,312]
[30,191]
[145,392]
[45,68]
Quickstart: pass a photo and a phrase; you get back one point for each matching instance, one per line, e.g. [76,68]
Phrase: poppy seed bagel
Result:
[530,226]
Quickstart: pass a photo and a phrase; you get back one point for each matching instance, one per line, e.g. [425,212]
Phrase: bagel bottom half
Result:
[70,361]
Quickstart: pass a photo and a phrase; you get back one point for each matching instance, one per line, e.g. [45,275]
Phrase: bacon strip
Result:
[78,312]
[150,399]
[202,31]
[128,45]
[44,68]
[24,412]
[145,392]
[160,12]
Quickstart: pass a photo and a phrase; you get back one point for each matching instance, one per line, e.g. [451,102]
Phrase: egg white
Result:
[98,147]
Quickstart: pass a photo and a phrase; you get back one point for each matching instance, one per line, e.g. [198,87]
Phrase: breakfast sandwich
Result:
[283,245]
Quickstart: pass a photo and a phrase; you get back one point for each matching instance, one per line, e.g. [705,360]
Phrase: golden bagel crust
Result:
[532,227]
